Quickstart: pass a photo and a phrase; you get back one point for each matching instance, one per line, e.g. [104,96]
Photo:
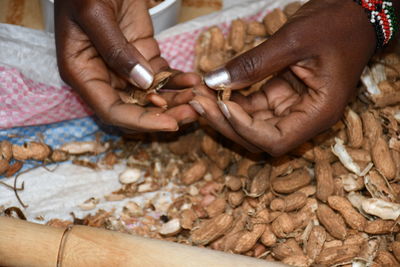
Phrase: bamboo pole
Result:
[27,244]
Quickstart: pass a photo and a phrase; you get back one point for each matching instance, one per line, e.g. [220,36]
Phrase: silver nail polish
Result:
[141,77]
[218,79]
[198,107]
[224,109]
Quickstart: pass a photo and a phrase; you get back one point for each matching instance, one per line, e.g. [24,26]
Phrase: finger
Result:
[202,90]
[107,104]
[157,100]
[140,119]
[209,110]
[281,134]
[183,114]
[275,54]
[183,81]
[276,94]
[180,98]
[100,24]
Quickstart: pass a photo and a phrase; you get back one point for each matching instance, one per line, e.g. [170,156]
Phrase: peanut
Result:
[291,202]
[260,182]
[287,249]
[283,225]
[354,128]
[268,238]
[396,250]
[285,165]
[385,258]
[194,173]
[380,227]
[248,239]
[371,125]
[237,35]
[256,28]
[6,150]
[338,169]
[244,165]
[324,176]
[274,21]
[383,159]
[59,155]
[235,198]
[4,165]
[332,222]
[210,230]
[308,190]
[354,219]
[31,150]
[216,207]
[291,8]
[315,242]
[291,182]
[184,145]
[13,169]
[339,254]
[234,183]
[187,219]
[298,260]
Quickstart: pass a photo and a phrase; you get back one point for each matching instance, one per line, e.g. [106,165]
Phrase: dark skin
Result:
[326,45]
[98,43]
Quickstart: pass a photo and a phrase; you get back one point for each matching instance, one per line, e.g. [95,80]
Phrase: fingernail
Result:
[218,79]
[224,109]
[141,77]
[198,107]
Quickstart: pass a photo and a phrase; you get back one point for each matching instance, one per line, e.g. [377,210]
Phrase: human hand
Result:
[106,46]
[325,46]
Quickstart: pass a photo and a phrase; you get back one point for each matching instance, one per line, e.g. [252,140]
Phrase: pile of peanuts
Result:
[333,201]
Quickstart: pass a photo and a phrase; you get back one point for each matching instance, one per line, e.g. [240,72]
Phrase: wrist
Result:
[382,14]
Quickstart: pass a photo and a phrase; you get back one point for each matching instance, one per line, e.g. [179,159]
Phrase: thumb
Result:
[275,54]
[101,26]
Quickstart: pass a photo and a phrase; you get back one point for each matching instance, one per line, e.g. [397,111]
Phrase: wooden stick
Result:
[27,244]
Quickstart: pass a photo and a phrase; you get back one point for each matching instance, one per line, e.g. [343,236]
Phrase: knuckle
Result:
[249,66]
[113,54]
[293,40]
[86,9]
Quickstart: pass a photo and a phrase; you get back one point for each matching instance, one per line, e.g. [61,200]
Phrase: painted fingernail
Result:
[218,78]
[224,109]
[141,77]
[198,107]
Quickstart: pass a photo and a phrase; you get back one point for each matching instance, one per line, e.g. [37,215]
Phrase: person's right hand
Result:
[325,46]
[104,47]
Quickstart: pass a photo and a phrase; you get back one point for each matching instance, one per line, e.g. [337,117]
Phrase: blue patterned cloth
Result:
[57,134]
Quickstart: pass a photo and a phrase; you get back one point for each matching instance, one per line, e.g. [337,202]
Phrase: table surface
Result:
[28,13]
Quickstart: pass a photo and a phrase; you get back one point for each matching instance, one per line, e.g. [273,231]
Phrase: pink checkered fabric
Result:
[25,102]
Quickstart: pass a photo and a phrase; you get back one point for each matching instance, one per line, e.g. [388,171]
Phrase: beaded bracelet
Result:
[382,15]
